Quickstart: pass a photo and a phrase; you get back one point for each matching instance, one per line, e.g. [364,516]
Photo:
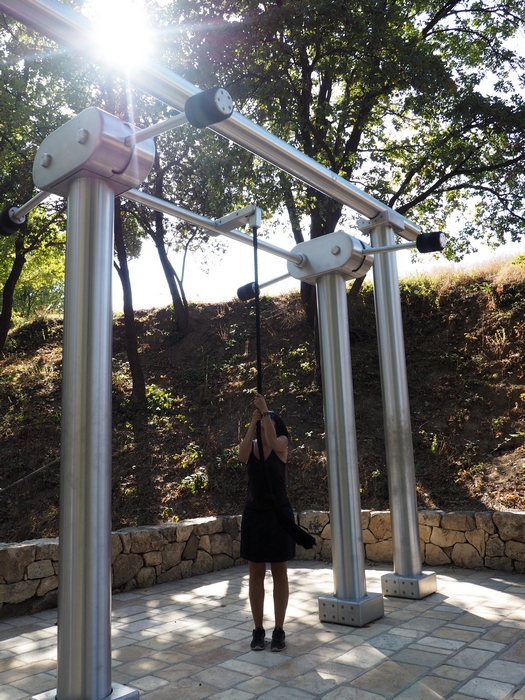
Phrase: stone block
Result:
[458,521]
[314,520]
[146,577]
[146,539]
[40,569]
[202,564]
[368,537]
[222,561]
[515,550]
[466,556]
[168,531]
[424,532]
[221,543]
[183,532]
[380,551]
[326,550]
[191,546]
[520,567]
[125,537]
[173,574]
[326,534]
[207,526]
[477,538]
[432,518]
[435,556]
[18,592]
[511,526]
[46,585]
[186,568]
[303,554]
[47,549]
[379,525]
[204,543]
[365,518]
[494,547]
[172,554]
[230,526]
[125,568]
[13,560]
[152,558]
[446,538]
[484,522]
[499,563]
[236,549]
[116,546]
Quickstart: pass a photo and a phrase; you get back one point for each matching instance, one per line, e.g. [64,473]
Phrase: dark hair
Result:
[280,426]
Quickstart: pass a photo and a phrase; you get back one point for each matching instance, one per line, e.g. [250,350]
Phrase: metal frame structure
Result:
[108,160]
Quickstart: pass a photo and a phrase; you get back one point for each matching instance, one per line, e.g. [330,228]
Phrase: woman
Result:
[262,537]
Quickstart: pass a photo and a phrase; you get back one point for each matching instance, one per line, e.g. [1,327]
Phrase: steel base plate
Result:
[119,692]
[415,587]
[354,613]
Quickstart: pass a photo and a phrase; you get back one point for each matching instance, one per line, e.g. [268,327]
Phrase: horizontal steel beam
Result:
[170,209]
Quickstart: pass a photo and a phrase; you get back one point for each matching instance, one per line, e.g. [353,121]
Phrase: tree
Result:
[413,101]
[35,98]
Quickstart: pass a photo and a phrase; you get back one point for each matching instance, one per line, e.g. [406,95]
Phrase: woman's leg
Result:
[280,591]
[257,571]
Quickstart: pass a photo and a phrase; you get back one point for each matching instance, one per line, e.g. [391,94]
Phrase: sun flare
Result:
[122,32]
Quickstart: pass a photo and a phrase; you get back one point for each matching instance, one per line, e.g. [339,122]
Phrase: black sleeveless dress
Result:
[262,537]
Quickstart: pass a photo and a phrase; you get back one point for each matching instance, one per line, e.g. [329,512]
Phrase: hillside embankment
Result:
[176,457]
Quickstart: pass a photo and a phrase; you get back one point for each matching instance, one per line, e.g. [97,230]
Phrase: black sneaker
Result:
[258,643]
[278,643]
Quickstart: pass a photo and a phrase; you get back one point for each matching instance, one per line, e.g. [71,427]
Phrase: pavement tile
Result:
[419,657]
[181,670]
[388,678]
[8,692]
[471,658]
[347,693]
[220,677]
[232,694]
[428,688]
[147,683]
[452,672]
[317,682]
[364,656]
[258,685]
[484,689]
[507,671]
[516,652]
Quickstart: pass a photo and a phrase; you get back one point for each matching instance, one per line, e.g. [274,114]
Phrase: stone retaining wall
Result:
[144,556]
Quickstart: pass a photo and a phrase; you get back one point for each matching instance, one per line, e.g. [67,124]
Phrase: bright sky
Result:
[234,269]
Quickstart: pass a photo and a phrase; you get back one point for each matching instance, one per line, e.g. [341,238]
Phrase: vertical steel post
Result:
[84,604]
[407,579]
[350,604]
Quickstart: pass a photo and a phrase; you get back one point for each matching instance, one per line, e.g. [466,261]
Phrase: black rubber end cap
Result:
[433,242]
[208,107]
[8,227]
[246,292]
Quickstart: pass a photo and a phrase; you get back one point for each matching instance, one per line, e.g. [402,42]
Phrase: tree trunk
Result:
[138,392]
[180,306]
[9,291]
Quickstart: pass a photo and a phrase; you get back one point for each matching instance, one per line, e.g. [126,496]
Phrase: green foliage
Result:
[195,482]
[417,102]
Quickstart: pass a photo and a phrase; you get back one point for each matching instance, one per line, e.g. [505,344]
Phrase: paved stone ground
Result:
[190,640]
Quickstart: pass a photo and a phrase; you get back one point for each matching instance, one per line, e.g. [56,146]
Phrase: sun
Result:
[122,32]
